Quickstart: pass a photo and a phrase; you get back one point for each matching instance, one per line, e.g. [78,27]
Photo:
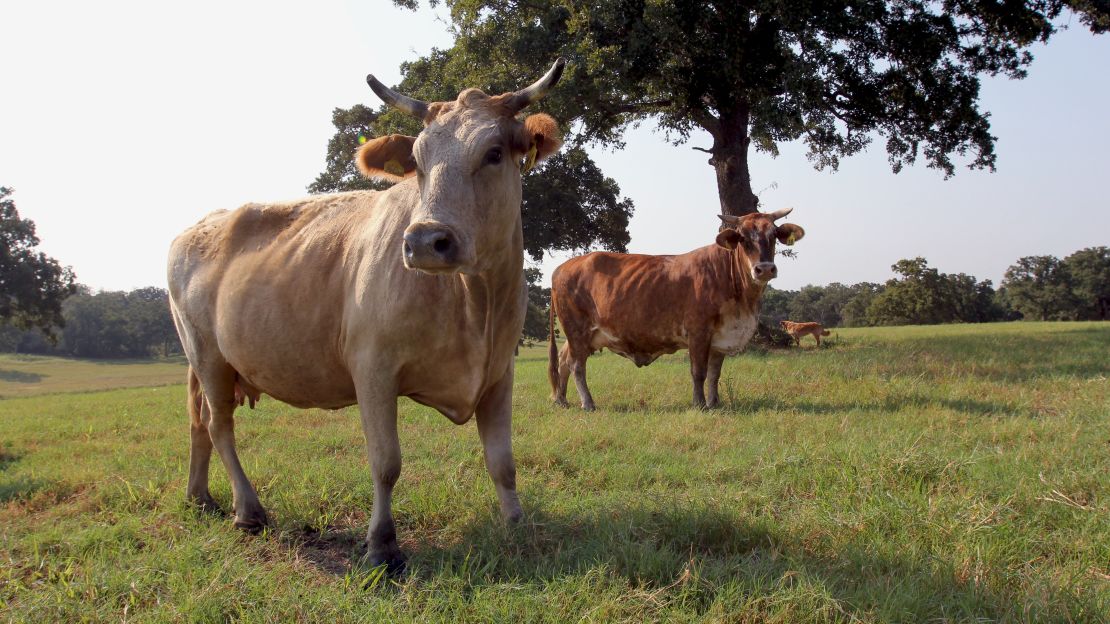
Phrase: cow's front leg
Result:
[379,424]
[716,362]
[699,365]
[494,416]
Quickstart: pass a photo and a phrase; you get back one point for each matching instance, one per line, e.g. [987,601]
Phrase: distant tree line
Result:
[1039,288]
[138,324]
[107,324]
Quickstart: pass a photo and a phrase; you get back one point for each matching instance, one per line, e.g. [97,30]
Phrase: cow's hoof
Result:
[561,403]
[590,407]
[393,561]
[252,522]
[206,504]
[712,404]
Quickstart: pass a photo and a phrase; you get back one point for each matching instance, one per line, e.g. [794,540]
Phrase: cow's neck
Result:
[492,297]
[747,291]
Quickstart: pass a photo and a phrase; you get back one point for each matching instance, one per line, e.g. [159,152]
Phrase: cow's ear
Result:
[788,233]
[728,238]
[387,158]
[539,133]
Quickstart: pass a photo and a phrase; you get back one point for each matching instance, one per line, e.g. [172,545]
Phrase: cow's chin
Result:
[760,280]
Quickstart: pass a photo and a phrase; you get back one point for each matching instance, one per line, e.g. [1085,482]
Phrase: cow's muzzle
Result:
[765,271]
[432,247]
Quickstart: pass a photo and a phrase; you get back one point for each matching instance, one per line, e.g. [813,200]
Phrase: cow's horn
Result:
[730,219]
[778,214]
[416,108]
[539,88]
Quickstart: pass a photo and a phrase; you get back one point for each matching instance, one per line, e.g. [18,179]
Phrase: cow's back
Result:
[269,285]
[640,306]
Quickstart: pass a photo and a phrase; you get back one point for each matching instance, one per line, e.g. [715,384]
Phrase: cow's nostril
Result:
[442,245]
[407,249]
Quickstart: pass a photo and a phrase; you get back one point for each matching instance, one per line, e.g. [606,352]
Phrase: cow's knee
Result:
[387,471]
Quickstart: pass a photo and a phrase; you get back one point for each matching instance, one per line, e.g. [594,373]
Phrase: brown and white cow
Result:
[642,306]
[363,297]
[797,330]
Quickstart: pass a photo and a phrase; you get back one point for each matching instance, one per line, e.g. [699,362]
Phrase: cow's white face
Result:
[467,162]
[753,238]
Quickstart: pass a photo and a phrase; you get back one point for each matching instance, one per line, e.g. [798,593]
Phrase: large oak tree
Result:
[835,74]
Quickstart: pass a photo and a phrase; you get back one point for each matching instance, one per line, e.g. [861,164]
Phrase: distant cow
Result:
[362,297]
[642,306]
[797,330]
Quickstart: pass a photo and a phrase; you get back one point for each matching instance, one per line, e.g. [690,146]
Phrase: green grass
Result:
[955,473]
[29,375]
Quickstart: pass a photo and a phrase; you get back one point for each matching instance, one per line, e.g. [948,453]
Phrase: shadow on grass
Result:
[888,404]
[1004,358]
[698,556]
[7,458]
[20,488]
[20,376]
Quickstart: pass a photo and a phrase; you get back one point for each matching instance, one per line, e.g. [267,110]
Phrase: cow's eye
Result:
[493,157]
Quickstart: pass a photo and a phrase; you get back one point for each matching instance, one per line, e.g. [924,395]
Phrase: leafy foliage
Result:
[832,74]
[32,284]
[1089,270]
[108,324]
[1040,288]
[925,296]
[539,303]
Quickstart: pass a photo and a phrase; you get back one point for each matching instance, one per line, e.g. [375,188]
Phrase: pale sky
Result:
[123,122]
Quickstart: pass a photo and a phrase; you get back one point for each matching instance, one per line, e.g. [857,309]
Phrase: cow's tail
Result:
[196,398]
[552,348]
[825,332]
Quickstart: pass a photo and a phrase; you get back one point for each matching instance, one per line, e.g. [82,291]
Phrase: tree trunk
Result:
[730,160]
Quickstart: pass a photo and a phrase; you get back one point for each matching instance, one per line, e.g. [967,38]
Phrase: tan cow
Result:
[797,330]
[363,297]
[641,306]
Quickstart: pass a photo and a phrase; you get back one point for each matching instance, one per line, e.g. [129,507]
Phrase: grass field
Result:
[28,375]
[955,473]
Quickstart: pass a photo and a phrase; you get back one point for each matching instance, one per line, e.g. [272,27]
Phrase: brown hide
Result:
[295,294]
[642,306]
[649,305]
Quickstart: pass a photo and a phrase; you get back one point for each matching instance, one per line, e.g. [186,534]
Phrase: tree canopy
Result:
[32,284]
[1089,273]
[832,73]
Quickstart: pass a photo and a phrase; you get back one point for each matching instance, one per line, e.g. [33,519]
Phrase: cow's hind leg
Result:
[699,365]
[378,409]
[200,447]
[494,416]
[563,377]
[219,390]
[578,367]
[716,362]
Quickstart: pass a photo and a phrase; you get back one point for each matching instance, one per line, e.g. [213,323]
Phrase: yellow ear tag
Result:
[790,239]
[394,167]
[529,160]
